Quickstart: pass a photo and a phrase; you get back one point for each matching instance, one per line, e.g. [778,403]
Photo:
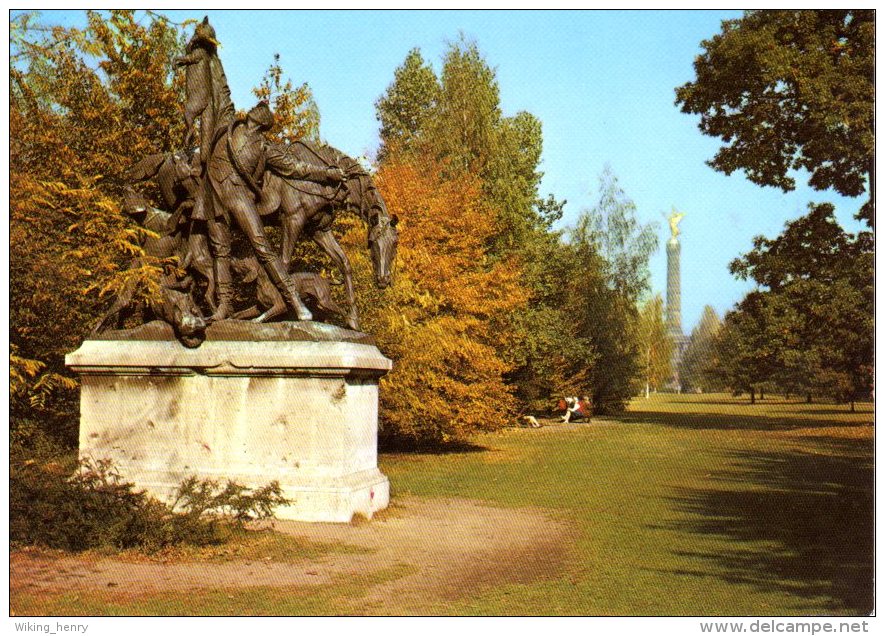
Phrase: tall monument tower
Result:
[674,298]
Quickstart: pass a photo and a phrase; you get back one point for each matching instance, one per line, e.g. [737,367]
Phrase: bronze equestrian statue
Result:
[230,198]
[237,179]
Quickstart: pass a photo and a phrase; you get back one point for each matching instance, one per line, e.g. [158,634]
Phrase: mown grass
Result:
[685,505]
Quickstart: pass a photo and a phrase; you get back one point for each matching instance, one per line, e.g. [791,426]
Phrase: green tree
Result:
[457,119]
[624,243]
[787,90]
[655,344]
[464,130]
[743,351]
[700,355]
[512,181]
[606,320]
[408,105]
[818,282]
[611,249]
[549,354]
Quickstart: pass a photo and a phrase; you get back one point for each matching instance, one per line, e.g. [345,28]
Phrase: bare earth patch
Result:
[446,548]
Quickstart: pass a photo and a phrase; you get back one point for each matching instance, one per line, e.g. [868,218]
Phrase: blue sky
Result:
[601,82]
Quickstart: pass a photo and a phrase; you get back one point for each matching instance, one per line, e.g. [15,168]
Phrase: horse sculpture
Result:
[305,209]
[309,208]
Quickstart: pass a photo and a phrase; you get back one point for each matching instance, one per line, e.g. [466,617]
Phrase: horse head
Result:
[383,240]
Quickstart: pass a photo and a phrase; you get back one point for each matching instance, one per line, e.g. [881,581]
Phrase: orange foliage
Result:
[437,321]
[73,133]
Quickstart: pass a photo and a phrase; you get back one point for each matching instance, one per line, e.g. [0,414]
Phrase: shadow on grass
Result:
[397,445]
[729,421]
[828,408]
[800,522]
[840,409]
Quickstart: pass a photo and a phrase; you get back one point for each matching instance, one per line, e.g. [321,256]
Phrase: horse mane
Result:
[327,154]
[319,153]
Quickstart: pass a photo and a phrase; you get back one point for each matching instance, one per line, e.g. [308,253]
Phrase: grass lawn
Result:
[685,505]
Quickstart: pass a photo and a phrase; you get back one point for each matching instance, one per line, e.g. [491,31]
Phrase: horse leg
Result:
[318,287]
[327,304]
[292,224]
[326,241]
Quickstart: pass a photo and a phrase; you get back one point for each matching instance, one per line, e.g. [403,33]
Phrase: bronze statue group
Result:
[233,182]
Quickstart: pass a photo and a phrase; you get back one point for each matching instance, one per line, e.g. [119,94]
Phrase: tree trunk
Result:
[808,398]
[646,390]
[761,394]
[752,396]
[852,406]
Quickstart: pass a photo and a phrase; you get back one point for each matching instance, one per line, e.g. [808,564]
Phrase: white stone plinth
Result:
[302,413]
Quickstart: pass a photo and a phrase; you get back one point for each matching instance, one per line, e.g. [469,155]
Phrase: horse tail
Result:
[147,168]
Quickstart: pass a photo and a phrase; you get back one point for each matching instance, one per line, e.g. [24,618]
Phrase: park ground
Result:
[684,505]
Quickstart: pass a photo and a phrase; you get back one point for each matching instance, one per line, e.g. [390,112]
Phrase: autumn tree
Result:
[296,115]
[455,122]
[787,90]
[655,344]
[83,105]
[436,320]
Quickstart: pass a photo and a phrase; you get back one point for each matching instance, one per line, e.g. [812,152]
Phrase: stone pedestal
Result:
[291,402]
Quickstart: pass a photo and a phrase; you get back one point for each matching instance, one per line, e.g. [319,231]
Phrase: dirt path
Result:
[442,549]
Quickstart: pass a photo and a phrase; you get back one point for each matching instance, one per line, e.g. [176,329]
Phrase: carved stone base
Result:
[301,412]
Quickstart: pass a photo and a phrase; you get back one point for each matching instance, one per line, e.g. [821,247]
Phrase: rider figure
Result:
[232,185]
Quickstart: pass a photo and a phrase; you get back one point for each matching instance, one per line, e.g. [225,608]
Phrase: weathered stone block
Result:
[301,412]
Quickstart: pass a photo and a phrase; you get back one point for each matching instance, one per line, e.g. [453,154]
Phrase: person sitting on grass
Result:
[585,408]
[572,405]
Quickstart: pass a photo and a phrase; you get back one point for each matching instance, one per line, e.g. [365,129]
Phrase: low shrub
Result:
[95,508]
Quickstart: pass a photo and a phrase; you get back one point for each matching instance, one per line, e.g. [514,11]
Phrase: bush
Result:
[95,508]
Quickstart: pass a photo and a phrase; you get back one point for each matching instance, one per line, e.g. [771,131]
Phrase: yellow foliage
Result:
[74,131]
[437,321]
